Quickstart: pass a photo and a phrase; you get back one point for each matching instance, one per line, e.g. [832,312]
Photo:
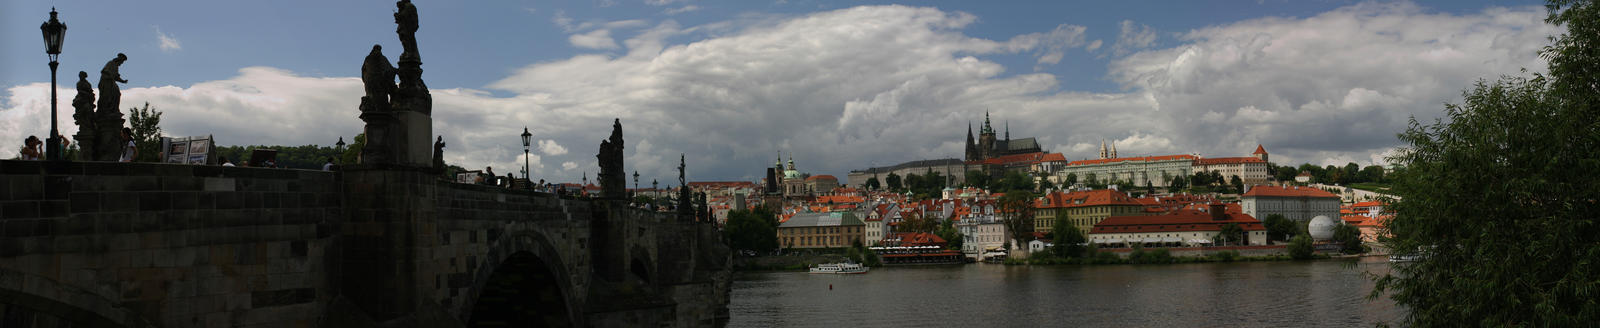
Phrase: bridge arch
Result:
[523,278]
[20,296]
[642,265]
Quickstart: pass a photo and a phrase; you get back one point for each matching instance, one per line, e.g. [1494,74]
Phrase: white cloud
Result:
[597,39]
[1335,86]
[1094,45]
[550,147]
[166,42]
[850,88]
[680,10]
[1133,37]
[660,2]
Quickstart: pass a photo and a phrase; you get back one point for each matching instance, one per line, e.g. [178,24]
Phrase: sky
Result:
[837,85]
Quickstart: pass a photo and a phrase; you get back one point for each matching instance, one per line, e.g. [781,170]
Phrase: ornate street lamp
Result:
[54,32]
[338,147]
[635,182]
[527,144]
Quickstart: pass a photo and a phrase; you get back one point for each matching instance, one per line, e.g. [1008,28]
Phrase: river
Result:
[1250,294]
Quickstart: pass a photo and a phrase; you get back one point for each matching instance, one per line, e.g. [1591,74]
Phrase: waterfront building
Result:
[1293,202]
[821,230]
[1251,170]
[1084,208]
[1188,227]
[982,232]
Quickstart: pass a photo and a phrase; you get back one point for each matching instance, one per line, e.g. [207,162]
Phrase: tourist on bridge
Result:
[132,151]
[30,148]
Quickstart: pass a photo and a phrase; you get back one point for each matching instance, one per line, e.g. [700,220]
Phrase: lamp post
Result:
[339,148]
[54,32]
[527,144]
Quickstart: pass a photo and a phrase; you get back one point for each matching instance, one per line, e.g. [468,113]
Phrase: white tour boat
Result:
[840,268]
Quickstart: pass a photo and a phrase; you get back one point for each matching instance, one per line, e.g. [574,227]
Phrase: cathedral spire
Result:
[987,129]
[1103,152]
[1008,130]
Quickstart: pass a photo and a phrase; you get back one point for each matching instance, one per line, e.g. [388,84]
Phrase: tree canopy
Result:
[1499,197]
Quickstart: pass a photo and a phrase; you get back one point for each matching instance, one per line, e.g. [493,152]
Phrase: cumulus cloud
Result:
[1338,85]
[550,147]
[849,88]
[166,42]
[1050,46]
[1132,37]
[597,39]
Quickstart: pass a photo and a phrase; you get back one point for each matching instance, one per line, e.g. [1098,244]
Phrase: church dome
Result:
[791,174]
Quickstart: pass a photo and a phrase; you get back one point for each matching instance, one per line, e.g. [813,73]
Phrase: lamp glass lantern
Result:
[527,144]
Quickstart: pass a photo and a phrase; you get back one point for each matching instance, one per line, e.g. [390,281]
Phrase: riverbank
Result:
[1169,256]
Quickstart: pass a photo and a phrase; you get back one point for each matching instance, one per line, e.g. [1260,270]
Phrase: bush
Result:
[1300,247]
[1225,256]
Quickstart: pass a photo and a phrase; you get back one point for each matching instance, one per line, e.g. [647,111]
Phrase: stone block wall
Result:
[166,245]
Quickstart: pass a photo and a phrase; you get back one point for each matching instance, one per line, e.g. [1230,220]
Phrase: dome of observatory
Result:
[1321,227]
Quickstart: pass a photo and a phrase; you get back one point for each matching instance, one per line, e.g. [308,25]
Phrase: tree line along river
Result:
[1241,294]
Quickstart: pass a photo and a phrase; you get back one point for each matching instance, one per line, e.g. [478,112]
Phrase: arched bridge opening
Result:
[522,292]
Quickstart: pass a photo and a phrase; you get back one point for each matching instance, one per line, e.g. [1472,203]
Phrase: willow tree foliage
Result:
[1500,197]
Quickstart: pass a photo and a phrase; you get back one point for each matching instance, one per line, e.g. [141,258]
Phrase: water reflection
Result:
[1282,294]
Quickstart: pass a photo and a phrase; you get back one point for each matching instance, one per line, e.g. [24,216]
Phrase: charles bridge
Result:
[386,242]
[170,245]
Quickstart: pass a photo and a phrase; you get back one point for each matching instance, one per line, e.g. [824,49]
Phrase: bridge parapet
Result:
[168,245]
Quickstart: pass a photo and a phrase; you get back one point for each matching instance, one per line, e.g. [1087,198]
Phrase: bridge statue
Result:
[398,117]
[108,122]
[83,116]
[613,181]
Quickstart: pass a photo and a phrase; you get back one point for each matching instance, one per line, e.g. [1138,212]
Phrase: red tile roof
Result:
[1227,160]
[1088,198]
[722,184]
[915,239]
[1179,221]
[1259,150]
[1276,191]
[824,176]
[1053,157]
[1133,159]
[1028,158]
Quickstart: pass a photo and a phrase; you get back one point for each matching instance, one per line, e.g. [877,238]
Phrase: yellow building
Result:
[821,230]
[1084,208]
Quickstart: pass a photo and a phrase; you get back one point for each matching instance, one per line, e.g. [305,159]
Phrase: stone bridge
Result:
[95,244]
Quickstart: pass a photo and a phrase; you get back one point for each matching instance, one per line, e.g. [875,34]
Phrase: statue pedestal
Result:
[414,131]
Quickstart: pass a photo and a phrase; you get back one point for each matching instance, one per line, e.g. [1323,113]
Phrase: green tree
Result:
[1238,185]
[1072,179]
[1013,181]
[1016,213]
[1285,173]
[1300,247]
[951,235]
[976,178]
[1068,240]
[872,183]
[352,151]
[1498,198]
[1279,228]
[1178,183]
[1231,234]
[894,181]
[1350,237]
[1372,173]
[755,229]
[146,125]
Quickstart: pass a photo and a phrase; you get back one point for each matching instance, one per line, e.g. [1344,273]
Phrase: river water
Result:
[1329,293]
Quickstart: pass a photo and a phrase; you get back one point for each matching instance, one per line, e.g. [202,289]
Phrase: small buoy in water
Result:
[830,286]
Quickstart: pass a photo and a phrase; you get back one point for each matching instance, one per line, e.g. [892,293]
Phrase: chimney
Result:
[1218,211]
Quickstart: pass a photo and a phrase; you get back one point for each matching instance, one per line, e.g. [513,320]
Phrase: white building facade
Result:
[1293,202]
